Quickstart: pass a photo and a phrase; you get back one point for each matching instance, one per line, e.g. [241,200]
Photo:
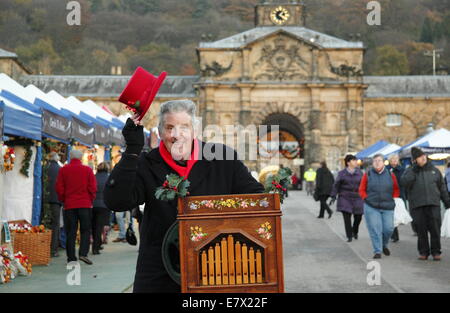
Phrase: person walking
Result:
[294,180]
[76,188]
[378,189]
[425,188]
[349,202]
[121,218]
[100,213]
[324,186]
[310,178]
[397,169]
[55,206]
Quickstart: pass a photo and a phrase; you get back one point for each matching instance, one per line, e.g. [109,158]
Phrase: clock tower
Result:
[279,14]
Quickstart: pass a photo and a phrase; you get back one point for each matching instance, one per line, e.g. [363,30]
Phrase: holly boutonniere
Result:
[278,183]
[174,186]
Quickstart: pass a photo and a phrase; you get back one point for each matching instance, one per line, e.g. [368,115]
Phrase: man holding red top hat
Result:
[137,176]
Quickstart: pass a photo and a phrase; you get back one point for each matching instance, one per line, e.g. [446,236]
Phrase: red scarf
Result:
[181,170]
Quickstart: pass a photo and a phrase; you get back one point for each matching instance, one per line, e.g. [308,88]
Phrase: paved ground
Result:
[112,272]
[318,258]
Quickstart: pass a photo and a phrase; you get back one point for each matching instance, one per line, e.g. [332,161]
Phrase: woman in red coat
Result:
[76,187]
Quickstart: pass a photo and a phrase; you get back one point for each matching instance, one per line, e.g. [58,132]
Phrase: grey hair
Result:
[393,156]
[378,155]
[54,156]
[183,105]
[76,154]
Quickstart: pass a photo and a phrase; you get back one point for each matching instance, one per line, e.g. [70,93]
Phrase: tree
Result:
[426,34]
[418,63]
[41,57]
[390,61]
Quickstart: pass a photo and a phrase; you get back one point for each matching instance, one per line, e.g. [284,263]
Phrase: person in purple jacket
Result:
[349,201]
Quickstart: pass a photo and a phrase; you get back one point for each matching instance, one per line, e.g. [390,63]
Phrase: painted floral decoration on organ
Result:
[174,186]
[264,231]
[197,233]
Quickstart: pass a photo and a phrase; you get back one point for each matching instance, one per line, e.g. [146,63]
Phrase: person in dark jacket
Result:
[425,187]
[76,188]
[135,178]
[55,206]
[397,169]
[349,202]
[324,186]
[100,213]
[378,189]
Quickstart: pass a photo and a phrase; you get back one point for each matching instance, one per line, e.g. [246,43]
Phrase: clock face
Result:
[279,15]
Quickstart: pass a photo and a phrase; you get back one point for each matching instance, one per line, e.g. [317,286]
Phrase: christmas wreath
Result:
[8,158]
[279,182]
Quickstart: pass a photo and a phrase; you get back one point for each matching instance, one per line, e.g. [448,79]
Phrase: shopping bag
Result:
[401,215]
[445,227]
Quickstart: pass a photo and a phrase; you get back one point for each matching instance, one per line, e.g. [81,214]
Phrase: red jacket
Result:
[76,185]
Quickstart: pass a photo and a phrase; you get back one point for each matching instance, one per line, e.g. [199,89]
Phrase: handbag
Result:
[130,236]
[315,196]
[401,215]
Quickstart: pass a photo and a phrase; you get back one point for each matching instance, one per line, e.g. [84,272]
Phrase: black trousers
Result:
[100,218]
[55,208]
[350,229]
[71,219]
[324,205]
[395,234]
[428,220]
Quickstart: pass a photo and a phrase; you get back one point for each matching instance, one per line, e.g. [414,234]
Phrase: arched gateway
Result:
[282,73]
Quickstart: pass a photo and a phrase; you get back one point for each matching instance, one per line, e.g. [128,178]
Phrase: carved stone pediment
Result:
[215,69]
[343,69]
[282,59]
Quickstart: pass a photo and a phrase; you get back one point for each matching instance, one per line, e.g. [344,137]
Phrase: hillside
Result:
[163,34]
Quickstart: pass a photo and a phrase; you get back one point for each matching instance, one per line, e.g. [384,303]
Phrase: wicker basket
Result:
[36,246]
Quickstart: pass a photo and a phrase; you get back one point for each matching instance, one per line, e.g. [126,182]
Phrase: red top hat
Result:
[140,91]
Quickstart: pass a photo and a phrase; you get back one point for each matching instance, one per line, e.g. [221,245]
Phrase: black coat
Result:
[398,171]
[425,186]
[101,178]
[52,173]
[134,181]
[324,182]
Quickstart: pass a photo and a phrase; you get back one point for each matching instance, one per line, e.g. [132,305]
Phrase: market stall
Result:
[435,144]
[21,132]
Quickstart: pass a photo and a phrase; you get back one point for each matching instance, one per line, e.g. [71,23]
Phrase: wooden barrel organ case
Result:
[230,243]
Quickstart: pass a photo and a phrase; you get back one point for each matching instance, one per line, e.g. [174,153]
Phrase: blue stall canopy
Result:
[82,128]
[436,142]
[101,128]
[20,117]
[56,123]
[369,150]
[386,150]
[20,122]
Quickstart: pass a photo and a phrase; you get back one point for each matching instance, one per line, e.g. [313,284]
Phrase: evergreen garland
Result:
[26,161]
